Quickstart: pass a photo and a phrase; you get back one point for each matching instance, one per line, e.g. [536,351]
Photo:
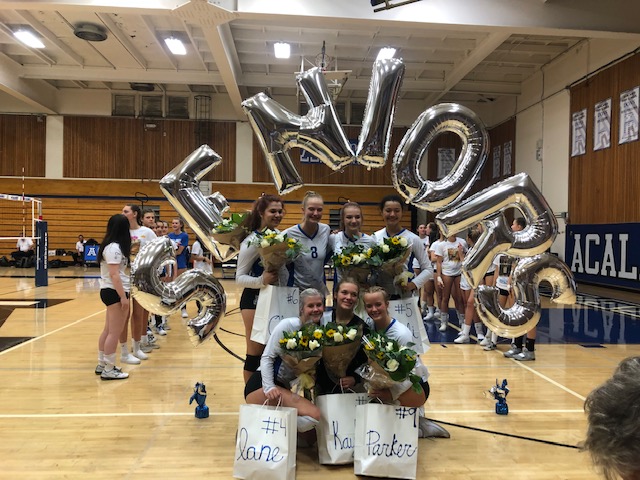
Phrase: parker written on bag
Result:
[266,443]
[386,442]
[337,426]
[407,312]
[274,304]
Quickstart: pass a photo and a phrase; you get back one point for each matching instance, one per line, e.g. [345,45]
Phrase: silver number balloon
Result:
[165,298]
[181,187]
[525,312]
[438,195]
[486,207]
[377,124]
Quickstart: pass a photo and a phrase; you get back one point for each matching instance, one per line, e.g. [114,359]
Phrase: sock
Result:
[136,346]
[423,306]
[444,317]
[158,320]
[306,423]
[479,329]
[431,309]
[101,360]
[109,361]
[494,337]
[531,344]
[461,318]
[518,342]
[124,349]
[466,329]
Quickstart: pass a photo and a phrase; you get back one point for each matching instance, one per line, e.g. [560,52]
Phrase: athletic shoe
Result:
[99,369]
[146,348]
[429,316]
[161,331]
[306,423]
[480,336]
[515,350]
[114,374]
[443,326]
[486,341]
[185,314]
[130,359]
[491,346]
[141,355]
[525,356]
[429,429]
[462,339]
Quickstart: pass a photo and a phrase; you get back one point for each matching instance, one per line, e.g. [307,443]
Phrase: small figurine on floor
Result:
[500,393]
[200,395]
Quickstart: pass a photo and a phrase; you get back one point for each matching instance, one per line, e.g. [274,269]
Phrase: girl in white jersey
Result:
[307,271]
[267,213]
[450,254]
[140,236]
[114,293]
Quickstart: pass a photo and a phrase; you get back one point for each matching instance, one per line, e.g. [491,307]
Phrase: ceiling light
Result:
[28,38]
[175,46]
[386,52]
[282,50]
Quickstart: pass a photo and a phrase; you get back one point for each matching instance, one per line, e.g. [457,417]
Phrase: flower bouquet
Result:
[389,363]
[230,231]
[340,347]
[301,350]
[353,261]
[276,249]
[390,256]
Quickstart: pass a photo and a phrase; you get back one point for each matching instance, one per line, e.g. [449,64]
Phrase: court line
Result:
[15,347]
[235,414]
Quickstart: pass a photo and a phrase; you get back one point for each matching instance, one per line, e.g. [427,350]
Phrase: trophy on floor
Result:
[500,393]
[200,395]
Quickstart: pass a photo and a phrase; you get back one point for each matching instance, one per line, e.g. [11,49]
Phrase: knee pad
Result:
[252,363]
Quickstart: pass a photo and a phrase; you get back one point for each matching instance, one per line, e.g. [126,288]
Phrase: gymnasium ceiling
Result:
[470,51]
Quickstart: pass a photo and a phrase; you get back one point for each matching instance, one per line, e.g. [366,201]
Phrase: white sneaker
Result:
[443,326]
[430,429]
[161,331]
[480,336]
[429,316]
[185,314]
[141,355]
[114,374]
[464,338]
[130,359]
[146,348]
[486,341]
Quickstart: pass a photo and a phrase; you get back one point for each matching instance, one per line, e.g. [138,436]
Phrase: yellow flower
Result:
[345,261]
[369,346]
[317,334]
[380,355]
[283,341]
[410,358]
[270,236]
[369,252]
[304,341]
[395,240]
[330,333]
[291,243]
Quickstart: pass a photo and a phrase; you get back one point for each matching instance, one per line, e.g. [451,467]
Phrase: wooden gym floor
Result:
[59,420]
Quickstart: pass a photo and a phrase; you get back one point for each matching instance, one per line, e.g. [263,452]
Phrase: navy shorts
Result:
[109,296]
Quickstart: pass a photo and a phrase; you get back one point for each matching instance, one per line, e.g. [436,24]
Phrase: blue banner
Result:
[606,254]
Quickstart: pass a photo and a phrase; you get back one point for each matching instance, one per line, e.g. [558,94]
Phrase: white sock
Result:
[466,329]
[461,318]
[479,329]
[124,349]
[494,337]
[136,346]
[101,357]
[109,361]
[423,306]
[431,309]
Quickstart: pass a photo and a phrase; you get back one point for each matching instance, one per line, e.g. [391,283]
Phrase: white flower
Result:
[403,348]
[299,334]
[268,231]
[389,347]
[392,365]
[385,248]
[351,334]
[291,344]
[403,242]
[340,328]
[338,338]
[358,258]
[264,243]
[403,278]
[279,238]
[313,344]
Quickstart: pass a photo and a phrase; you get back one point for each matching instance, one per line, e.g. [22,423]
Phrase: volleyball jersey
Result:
[197,251]
[139,238]
[112,255]
[249,268]
[425,243]
[451,260]
[181,240]
[307,271]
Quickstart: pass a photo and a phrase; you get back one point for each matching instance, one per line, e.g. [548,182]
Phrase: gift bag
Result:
[266,443]
[274,304]
[386,441]
[407,312]
[337,426]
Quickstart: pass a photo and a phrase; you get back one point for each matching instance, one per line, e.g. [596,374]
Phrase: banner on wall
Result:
[602,121]
[446,161]
[497,151]
[629,116]
[605,254]
[506,161]
[579,133]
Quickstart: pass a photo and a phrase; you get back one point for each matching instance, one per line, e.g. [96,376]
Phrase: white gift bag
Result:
[386,442]
[266,443]
[337,426]
[407,312]
[274,304]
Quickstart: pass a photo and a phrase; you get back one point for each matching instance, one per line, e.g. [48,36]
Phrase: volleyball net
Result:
[18,217]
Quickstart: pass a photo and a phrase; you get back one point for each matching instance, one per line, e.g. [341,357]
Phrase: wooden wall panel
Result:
[128,148]
[604,184]
[22,145]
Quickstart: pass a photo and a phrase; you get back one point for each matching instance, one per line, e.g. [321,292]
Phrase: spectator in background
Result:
[24,247]
[78,258]
[181,242]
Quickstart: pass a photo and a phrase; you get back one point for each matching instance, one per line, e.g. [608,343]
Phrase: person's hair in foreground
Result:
[613,415]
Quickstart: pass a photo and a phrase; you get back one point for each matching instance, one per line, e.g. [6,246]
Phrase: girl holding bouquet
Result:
[267,213]
[330,378]
[272,383]
[391,208]
[350,236]
[307,270]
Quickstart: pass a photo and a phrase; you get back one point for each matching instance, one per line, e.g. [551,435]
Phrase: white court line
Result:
[235,414]
[15,347]
[18,303]
[553,382]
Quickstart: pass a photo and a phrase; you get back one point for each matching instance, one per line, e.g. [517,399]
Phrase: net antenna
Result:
[329,65]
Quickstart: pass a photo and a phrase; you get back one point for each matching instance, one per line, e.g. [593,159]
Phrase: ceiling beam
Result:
[122,38]
[36,93]
[34,51]
[194,43]
[50,36]
[160,41]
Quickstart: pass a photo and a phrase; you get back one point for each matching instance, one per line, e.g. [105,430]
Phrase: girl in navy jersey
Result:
[267,213]
[307,271]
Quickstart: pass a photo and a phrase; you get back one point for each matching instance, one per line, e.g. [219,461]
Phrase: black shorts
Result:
[255,383]
[249,298]
[426,388]
[109,296]
[503,293]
